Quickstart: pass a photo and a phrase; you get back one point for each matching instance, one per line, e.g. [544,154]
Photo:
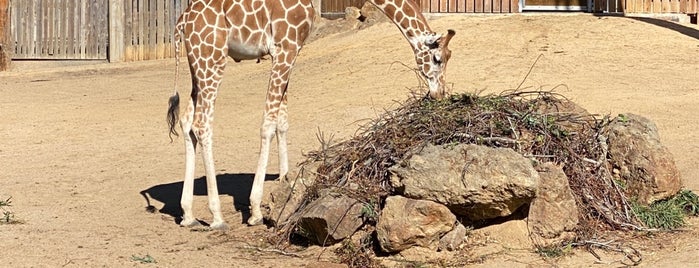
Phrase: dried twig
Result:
[273,250]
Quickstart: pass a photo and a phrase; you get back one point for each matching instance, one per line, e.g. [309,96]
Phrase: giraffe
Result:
[248,30]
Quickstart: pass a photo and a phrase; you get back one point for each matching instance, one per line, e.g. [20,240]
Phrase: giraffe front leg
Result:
[203,129]
[267,133]
[274,122]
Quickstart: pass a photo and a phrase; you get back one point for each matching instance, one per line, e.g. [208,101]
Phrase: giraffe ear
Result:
[447,38]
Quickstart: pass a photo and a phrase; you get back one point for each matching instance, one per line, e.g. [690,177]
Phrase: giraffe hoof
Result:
[190,223]
[252,221]
[223,227]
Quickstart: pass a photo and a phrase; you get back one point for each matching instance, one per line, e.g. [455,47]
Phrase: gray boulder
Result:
[283,197]
[474,181]
[644,166]
[406,222]
[331,218]
[454,238]
[553,214]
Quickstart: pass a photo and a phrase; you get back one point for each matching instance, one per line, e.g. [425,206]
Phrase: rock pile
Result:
[438,190]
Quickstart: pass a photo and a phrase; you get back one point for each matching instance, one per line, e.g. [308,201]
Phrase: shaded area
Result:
[665,23]
[688,31]
[237,186]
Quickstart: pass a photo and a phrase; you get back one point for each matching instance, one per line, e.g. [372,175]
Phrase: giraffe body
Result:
[250,29]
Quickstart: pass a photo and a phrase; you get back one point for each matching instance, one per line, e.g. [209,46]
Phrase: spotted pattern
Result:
[212,30]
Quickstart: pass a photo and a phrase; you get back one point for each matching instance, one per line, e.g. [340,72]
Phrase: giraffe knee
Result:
[283,126]
[200,133]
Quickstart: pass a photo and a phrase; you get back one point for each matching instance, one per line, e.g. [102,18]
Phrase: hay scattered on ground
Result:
[543,126]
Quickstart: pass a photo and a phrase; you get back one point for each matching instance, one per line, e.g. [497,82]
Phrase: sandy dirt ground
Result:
[78,144]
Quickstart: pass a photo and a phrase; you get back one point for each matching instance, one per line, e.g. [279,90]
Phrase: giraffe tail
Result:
[173,110]
[173,114]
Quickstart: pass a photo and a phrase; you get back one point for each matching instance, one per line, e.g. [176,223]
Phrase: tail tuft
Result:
[173,114]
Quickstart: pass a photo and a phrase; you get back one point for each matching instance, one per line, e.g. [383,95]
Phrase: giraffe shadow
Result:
[237,186]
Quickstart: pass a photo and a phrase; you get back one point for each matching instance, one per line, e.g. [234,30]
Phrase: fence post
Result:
[116,30]
[317,6]
[5,57]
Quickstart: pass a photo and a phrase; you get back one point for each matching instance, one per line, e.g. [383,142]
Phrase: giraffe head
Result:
[432,57]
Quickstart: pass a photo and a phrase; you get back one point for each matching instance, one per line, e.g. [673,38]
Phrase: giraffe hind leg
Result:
[202,127]
[282,130]
[190,144]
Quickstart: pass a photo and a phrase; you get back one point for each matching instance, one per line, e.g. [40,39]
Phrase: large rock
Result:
[406,222]
[641,162]
[454,238]
[283,197]
[474,181]
[280,200]
[331,218]
[553,214]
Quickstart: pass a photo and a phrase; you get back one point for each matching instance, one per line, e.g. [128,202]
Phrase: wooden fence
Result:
[647,6]
[59,29]
[131,30]
[118,30]
[147,28]
[469,6]
[336,8]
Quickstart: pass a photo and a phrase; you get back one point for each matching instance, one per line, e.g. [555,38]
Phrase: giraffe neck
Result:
[406,15]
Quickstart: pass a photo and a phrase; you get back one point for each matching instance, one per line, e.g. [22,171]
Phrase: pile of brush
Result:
[543,126]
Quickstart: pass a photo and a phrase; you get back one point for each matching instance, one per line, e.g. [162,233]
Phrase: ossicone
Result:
[447,38]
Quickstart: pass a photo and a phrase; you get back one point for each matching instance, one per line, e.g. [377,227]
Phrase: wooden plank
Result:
[636,6]
[128,30]
[497,6]
[70,21]
[116,30]
[152,28]
[451,8]
[51,31]
[81,28]
[657,6]
[693,6]
[42,25]
[487,6]
[434,6]
[675,6]
[424,6]
[5,35]
[31,21]
[143,29]
[160,34]
[514,6]
[478,6]
[443,6]
[104,29]
[470,6]
[167,28]
[683,6]
[664,6]
[98,16]
[460,6]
